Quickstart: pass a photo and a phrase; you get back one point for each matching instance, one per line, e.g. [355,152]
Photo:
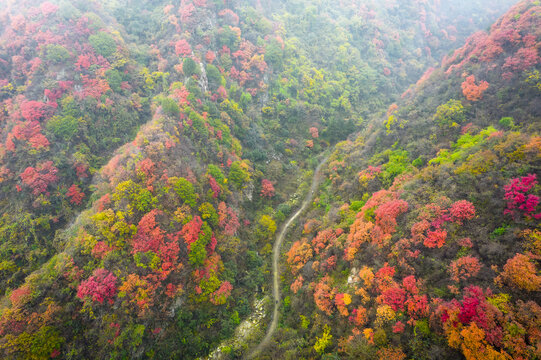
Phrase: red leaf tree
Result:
[182,48]
[267,189]
[33,110]
[462,210]
[40,177]
[75,194]
[471,91]
[99,287]
[518,199]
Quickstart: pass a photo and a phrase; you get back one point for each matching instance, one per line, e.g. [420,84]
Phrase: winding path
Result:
[275,262]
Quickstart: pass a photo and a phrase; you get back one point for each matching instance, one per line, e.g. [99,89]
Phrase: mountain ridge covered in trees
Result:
[150,150]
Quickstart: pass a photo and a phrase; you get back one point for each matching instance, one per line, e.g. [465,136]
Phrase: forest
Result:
[288,179]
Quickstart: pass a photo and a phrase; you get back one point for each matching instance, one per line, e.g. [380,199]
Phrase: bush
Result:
[213,75]
[114,79]
[507,122]
[57,53]
[63,127]
[103,43]
[189,67]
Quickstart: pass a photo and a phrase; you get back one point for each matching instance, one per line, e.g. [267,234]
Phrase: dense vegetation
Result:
[425,241]
[150,150]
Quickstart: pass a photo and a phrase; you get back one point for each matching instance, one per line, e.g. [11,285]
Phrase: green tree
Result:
[213,75]
[63,127]
[189,67]
[450,114]
[114,79]
[103,43]
[208,213]
[238,173]
[185,190]
[57,53]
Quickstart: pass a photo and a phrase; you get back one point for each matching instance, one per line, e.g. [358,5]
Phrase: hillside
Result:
[424,241]
[149,151]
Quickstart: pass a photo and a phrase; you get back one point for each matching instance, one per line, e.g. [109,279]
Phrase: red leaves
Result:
[182,48]
[464,268]
[471,91]
[83,62]
[410,284]
[359,316]
[75,194]
[219,297]
[149,235]
[322,239]
[146,167]
[20,295]
[387,213]
[395,298]
[229,16]
[191,230]
[417,306]
[462,210]
[323,295]
[314,132]
[524,59]
[297,284]
[470,305]
[29,131]
[47,8]
[518,201]
[33,110]
[40,177]
[81,170]
[267,189]
[210,56]
[94,88]
[435,238]
[99,287]
[228,219]
[214,187]
[398,327]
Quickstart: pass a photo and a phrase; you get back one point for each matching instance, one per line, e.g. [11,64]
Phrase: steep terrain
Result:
[425,240]
[150,150]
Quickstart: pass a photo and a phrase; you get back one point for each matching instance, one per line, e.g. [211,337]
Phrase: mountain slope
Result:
[153,240]
[424,241]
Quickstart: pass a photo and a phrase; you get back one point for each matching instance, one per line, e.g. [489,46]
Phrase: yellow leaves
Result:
[534,79]
[324,341]
[298,255]
[137,292]
[369,335]
[182,213]
[367,275]
[390,121]
[267,110]
[384,314]
[501,301]
[365,297]
[533,241]
[520,272]
[478,163]
[347,299]
[475,347]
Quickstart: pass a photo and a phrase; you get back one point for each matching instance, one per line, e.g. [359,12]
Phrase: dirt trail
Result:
[275,262]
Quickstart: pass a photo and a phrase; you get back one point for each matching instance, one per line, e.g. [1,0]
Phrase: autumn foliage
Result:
[99,287]
[472,91]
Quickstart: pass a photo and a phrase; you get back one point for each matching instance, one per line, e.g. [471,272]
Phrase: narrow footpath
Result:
[275,262]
